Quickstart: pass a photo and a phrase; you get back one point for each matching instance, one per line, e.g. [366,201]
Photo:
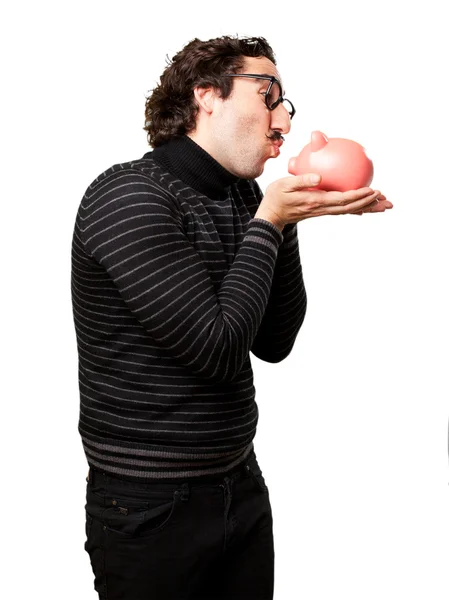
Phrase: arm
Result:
[287,303]
[133,228]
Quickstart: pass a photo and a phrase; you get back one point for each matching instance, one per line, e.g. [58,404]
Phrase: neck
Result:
[195,166]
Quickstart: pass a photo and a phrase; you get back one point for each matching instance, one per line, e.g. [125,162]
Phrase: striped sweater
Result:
[174,283]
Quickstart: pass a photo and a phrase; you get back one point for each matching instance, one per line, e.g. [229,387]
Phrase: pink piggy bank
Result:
[342,164]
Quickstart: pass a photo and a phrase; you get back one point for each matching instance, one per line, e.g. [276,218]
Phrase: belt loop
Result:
[246,464]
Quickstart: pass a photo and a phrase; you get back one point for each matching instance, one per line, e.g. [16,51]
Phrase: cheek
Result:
[250,126]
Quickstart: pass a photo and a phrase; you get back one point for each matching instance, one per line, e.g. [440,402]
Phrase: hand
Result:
[380,205]
[293,199]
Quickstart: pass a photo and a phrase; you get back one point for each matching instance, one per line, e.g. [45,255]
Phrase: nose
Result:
[280,119]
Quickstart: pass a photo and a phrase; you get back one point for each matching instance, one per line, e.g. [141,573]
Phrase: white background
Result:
[353,428]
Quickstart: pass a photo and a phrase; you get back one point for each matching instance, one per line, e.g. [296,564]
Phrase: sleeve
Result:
[287,303]
[133,228]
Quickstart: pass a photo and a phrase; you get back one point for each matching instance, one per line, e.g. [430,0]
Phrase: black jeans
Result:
[197,539]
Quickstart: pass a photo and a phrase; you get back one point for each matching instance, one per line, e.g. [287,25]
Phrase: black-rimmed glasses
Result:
[273,95]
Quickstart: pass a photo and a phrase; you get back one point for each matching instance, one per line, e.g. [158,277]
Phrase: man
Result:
[180,269]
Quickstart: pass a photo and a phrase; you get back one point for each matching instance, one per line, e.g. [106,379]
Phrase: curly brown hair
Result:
[171,109]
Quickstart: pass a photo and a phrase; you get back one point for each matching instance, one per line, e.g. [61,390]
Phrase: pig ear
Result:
[317,141]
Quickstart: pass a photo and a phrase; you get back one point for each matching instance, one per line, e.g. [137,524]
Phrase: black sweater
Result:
[173,284]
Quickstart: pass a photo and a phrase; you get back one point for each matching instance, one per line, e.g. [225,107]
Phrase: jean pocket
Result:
[88,525]
[131,516]
[255,472]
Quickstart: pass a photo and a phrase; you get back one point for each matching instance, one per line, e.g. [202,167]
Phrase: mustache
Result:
[276,137]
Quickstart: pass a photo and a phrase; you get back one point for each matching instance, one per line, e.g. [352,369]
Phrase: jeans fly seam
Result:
[227,494]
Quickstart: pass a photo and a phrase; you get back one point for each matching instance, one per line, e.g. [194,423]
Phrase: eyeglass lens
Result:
[273,95]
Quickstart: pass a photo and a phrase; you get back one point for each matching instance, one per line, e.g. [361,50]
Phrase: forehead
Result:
[260,66]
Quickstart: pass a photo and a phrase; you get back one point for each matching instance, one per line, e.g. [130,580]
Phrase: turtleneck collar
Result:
[185,159]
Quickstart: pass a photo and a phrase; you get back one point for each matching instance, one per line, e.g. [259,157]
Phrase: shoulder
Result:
[140,170]
[141,176]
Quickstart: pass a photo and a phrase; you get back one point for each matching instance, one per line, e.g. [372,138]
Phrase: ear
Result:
[205,97]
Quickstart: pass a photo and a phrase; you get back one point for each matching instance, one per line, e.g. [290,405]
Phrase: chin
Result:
[250,169]
[257,169]
[253,174]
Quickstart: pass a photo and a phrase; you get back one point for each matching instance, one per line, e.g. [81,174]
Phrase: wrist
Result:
[270,216]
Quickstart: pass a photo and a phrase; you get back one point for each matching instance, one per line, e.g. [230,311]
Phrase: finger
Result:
[385,202]
[360,192]
[383,198]
[381,206]
[299,182]
[373,207]
[345,198]
[353,207]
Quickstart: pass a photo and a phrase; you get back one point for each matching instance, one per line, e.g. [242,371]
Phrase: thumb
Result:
[305,180]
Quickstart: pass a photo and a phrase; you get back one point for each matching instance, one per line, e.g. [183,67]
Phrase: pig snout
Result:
[292,165]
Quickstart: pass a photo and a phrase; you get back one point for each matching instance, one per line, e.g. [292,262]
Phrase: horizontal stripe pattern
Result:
[171,291]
